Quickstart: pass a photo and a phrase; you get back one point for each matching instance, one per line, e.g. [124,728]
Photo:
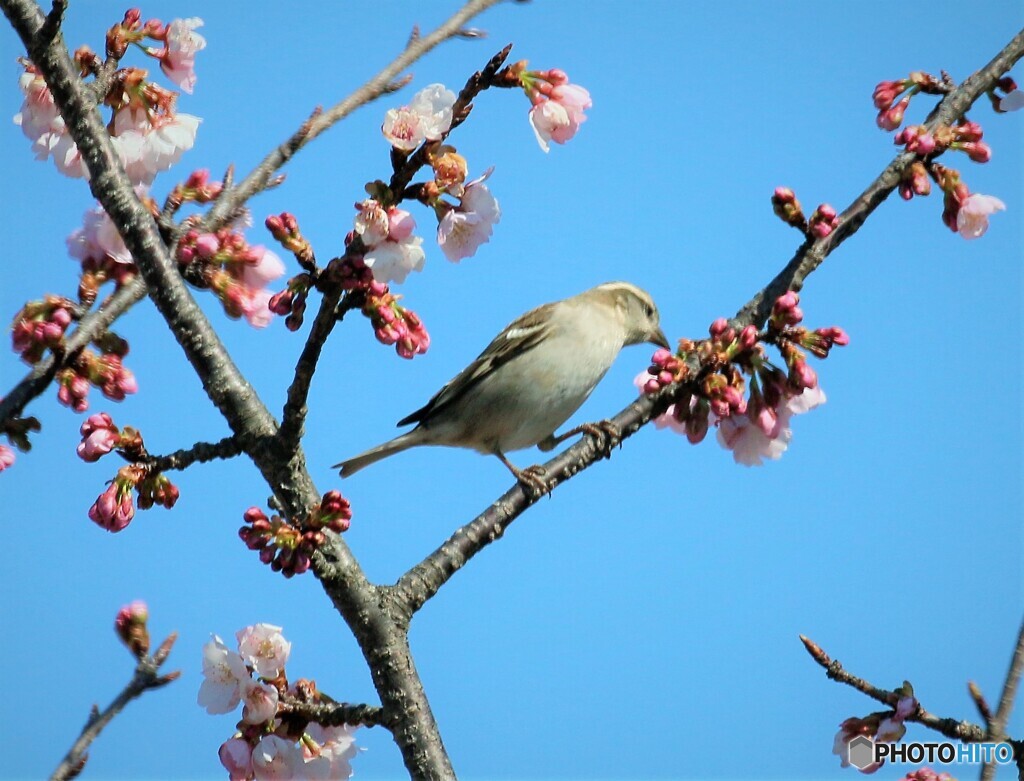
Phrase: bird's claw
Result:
[606,436]
[533,480]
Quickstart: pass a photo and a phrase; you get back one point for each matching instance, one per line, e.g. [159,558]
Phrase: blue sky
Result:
[643,622]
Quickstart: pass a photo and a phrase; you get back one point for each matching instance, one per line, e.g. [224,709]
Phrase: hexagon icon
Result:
[861,751]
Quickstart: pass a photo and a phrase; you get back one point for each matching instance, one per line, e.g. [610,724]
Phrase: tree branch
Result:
[997,724]
[334,714]
[423,580]
[146,678]
[367,611]
[228,447]
[963,731]
[380,84]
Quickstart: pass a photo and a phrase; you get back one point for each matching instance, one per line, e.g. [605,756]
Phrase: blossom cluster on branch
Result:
[270,741]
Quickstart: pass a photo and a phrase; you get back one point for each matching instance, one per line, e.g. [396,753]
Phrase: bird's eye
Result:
[648,310]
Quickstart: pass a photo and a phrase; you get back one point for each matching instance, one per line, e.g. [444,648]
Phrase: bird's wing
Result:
[521,336]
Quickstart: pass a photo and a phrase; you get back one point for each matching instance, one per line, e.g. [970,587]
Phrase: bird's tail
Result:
[371,456]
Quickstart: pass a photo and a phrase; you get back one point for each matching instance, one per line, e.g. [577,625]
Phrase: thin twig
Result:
[423,580]
[201,452]
[294,415]
[146,678]
[997,724]
[380,84]
[963,731]
[335,714]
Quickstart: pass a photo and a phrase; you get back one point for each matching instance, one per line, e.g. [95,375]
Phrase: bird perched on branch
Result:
[530,379]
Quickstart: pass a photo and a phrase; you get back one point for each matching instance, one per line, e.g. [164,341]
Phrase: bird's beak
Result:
[659,338]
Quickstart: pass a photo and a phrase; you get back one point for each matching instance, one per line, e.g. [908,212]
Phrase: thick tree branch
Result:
[334,714]
[146,678]
[367,611]
[422,581]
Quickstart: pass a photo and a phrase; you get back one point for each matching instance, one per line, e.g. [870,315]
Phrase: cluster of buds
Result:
[891,111]
[823,221]
[291,302]
[40,325]
[737,388]
[198,188]
[881,726]
[288,548]
[556,106]
[237,272]
[963,212]
[787,208]
[176,56]
[393,323]
[113,509]
[273,739]
[157,489]
[284,227]
[964,137]
[106,371]
[130,626]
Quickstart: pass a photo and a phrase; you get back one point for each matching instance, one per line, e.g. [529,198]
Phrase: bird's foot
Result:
[606,436]
[533,479]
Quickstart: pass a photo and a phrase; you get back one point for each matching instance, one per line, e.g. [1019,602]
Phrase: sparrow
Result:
[530,379]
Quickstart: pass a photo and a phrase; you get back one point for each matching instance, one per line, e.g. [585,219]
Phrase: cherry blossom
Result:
[1014,101]
[747,440]
[337,747]
[177,60]
[236,756]
[264,647]
[259,702]
[558,115]
[99,437]
[465,227]
[972,217]
[224,675]
[98,239]
[427,118]
[277,759]
[148,146]
[391,261]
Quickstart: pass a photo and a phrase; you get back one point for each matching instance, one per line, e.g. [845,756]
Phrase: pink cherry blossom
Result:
[1014,101]
[236,756]
[99,437]
[277,759]
[557,116]
[264,647]
[371,223]
[427,117]
[224,674]
[259,702]
[44,127]
[6,458]
[464,228]
[97,239]
[393,260]
[972,217]
[337,748]
[146,147]
[255,277]
[748,440]
[178,59]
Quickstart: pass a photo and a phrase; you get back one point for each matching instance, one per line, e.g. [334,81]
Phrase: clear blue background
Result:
[643,622]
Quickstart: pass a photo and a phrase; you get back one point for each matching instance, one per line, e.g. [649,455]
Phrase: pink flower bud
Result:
[718,327]
[978,151]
